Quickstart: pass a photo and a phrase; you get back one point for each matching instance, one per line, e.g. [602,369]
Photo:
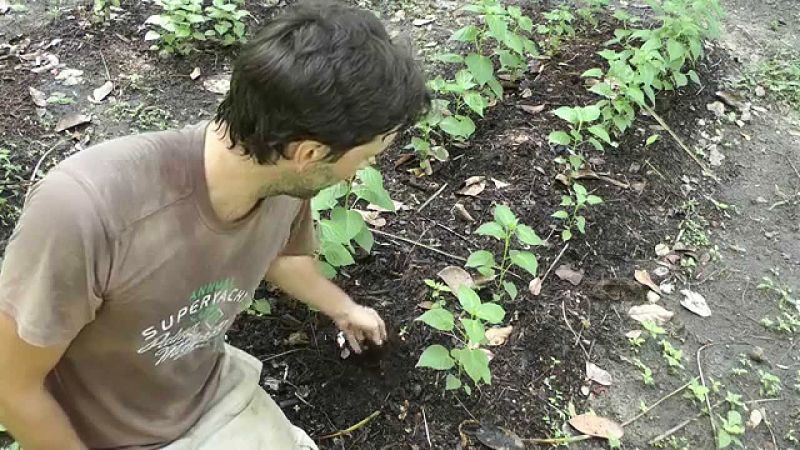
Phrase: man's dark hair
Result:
[321,71]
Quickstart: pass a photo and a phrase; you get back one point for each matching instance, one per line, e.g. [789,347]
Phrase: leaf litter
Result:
[597,426]
[566,273]
[498,336]
[598,375]
[651,312]
[473,186]
[455,277]
[695,303]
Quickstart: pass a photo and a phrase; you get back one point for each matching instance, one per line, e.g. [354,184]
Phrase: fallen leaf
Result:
[598,375]
[530,109]
[398,206]
[535,286]
[563,179]
[473,186]
[373,218]
[527,93]
[642,276]
[655,313]
[463,213]
[666,287]
[498,336]
[39,98]
[597,426]
[404,158]
[195,73]
[99,94]
[733,100]
[455,277]
[662,250]
[695,303]
[718,108]
[219,84]
[755,419]
[498,438]
[426,305]
[652,297]
[422,22]
[566,273]
[500,184]
[633,334]
[72,121]
[661,272]
[70,77]
[297,338]
[618,290]
[715,157]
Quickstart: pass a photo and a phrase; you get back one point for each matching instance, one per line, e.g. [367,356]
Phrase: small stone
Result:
[760,91]
[757,355]
[760,201]
[718,108]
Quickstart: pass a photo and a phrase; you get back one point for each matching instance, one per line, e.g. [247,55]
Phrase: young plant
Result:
[645,372]
[260,307]
[573,216]
[342,227]
[101,10]
[557,28]
[698,391]
[579,119]
[732,427]
[770,384]
[506,228]
[185,22]
[590,10]
[468,333]
[672,355]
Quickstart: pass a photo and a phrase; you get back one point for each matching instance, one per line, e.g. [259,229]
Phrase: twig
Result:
[651,407]
[42,158]
[797,172]
[555,261]
[680,143]
[703,380]
[352,428]
[656,170]
[418,244]
[577,337]
[559,441]
[430,199]
[427,433]
[289,352]
[103,58]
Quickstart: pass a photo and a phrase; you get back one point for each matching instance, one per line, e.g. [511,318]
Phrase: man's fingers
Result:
[351,338]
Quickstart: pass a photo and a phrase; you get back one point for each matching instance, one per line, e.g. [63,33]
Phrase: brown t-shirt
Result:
[119,252]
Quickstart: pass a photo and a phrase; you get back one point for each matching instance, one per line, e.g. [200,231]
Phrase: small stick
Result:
[289,352]
[703,380]
[103,58]
[797,172]
[678,427]
[430,199]
[651,407]
[555,261]
[427,433]
[42,158]
[577,337]
[352,428]
[559,441]
[418,244]
[680,142]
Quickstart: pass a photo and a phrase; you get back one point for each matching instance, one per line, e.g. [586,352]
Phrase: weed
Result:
[143,117]
[505,228]
[260,307]
[578,200]
[732,427]
[789,305]
[59,98]
[698,391]
[185,22]
[770,384]
[101,9]
[557,27]
[734,400]
[645,372]
[653,329]
[672,355]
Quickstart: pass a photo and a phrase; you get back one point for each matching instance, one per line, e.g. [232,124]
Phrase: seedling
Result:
[734,400]
[260,307]
[645,372]
[770,384]
[573,218]
[185,22]
[672,355]
[732,427]
[789,305]
[698,391]
[469,333]
[505,228]
[101,9]
[557,28]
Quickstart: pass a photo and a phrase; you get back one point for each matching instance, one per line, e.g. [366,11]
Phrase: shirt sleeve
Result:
[303,237]
[50,281]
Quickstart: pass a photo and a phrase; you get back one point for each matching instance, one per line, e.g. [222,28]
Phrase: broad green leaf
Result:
[636,95]
[593,73]
[561,215]
[510,60]
[588,113]
[480,258]
[365,239]
[475,101]
[198,36]
[580,223]
[467,389]
[526,235]
[469,300]
[475,331]
[371,177]
[451,382]
[498,27]
[567,200]
[680,79]
[491,229]
[491,312]
[694,77]
[511,289]
[504,216]
[452,58]
[440,153]
[458,125]
[600,132]
[675,50]
[515,42]
[420,145]
[328,197]
[603,89]
[475,363]
[481,68]
[596,144]
[436,357]
[514,11]
[650,94]
[260,305]
[497,89]
[195,18]
[652,139]
[724,439]
[559,138]
[438,318]
[464,79]
[568,114]
[525,260]
[593,200]
[580,192]
[566,235]
[348,223]
[486,271]
[696,48]
[328,271]
[336,254]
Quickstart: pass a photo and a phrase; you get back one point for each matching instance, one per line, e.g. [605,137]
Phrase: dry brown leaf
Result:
[373,218]
[597,426]
[530,109]
[652,312]
[455,277]
[642,276]
[535,286]
[634,334]
[38,97]
[463,213]
[695,303]
[500,184]
[195,73]
[100,94]
[498,336]
[72,121]
[297,338]
[473,186]
[598,375]
[498,438]
[566,273]
[426,305]
[756,416]
[219,84]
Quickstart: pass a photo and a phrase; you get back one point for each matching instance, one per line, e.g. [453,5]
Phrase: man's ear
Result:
[307,152]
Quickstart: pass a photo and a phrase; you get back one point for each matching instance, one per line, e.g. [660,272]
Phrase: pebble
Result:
[757,355]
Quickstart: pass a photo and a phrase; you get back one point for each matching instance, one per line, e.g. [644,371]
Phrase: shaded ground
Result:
[540,372]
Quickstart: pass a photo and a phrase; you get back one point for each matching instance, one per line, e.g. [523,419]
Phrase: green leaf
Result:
[261,306]
[475,331]
[566,235]
[420,145]
[559,138]
[497,89]
[675,50]
[438,318]
[198,36]
[467,34]
[498,27]
[491,312]
[568,114]
[603,89]
[347,223]
[451,382]
[475,101]
[724,439]
[561,215]
[567,200]
[481,68]
[636,95]
[452,58]
[475,363]
[504,216]
[480,258]
[600,132]
[596,144]
[491,229]
[365,239]
[593,73]
[328,271]
[440,153]
[336,254]
[694,77]
[486,271]
[588,113]
[464,79]
[195,18]
[580,223]
[511,289]
[680,79]
[652,140]
[580,192]
[469,300]
[458,125]
[436,357]
[525,260]
[528,236]
[467,389]
[594,200]
[2,428]
[515,42]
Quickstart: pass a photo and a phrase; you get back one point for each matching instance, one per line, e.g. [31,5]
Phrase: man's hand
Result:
[300,277]
[360,323]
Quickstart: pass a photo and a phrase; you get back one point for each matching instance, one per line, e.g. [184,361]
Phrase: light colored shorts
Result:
[242,416]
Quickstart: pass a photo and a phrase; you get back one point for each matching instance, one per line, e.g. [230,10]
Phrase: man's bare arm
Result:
[27,409]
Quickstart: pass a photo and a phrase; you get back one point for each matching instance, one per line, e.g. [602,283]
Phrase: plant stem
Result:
[503,264]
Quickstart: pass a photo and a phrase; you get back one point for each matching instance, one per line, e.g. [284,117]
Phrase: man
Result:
[131,259]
